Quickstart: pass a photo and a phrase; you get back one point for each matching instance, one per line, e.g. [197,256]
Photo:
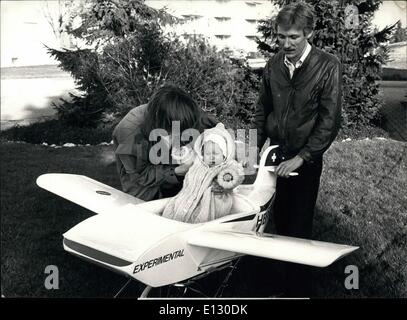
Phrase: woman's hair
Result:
[171,103]
[298,14]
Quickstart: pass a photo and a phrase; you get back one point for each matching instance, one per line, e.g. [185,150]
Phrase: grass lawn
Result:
[361,202]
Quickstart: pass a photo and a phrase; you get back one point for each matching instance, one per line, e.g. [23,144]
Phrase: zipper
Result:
[291,80]
[284,129]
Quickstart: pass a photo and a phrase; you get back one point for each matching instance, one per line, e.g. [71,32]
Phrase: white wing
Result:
[86,192]
[309,252]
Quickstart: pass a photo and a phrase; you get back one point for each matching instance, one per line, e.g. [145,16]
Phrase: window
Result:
[222,19]
[222,36]
[250,37]
[251,21]
[254,55]
[191,17]
[192,35]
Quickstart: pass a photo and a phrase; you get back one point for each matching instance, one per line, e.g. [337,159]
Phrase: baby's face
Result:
[212,154]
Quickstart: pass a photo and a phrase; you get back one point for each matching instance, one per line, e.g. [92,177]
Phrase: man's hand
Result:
[284,168]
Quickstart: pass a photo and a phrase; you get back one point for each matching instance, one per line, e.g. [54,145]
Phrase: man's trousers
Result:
[292,215]
[294,205]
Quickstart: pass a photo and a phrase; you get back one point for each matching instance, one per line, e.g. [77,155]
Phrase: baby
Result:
[206,193]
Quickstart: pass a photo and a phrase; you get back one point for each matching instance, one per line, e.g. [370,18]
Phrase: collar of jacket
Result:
[298,64]
[278,64]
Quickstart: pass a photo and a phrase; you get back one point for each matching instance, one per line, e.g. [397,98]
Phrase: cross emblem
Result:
[273,157]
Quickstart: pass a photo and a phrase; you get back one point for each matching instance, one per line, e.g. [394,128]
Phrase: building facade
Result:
[227,24]
[26,26]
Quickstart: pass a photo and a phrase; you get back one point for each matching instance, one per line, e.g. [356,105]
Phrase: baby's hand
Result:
[182,169]
[216,187]
[189,160]
[183,156]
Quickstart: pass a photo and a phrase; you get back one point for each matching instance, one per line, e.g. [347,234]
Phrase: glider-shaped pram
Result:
[129,235]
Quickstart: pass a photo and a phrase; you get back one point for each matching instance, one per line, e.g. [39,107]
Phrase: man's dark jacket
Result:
[301,114]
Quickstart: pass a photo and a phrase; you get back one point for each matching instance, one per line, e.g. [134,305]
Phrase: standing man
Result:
[299,109]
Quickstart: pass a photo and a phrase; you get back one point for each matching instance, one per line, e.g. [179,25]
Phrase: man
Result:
[299,109]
